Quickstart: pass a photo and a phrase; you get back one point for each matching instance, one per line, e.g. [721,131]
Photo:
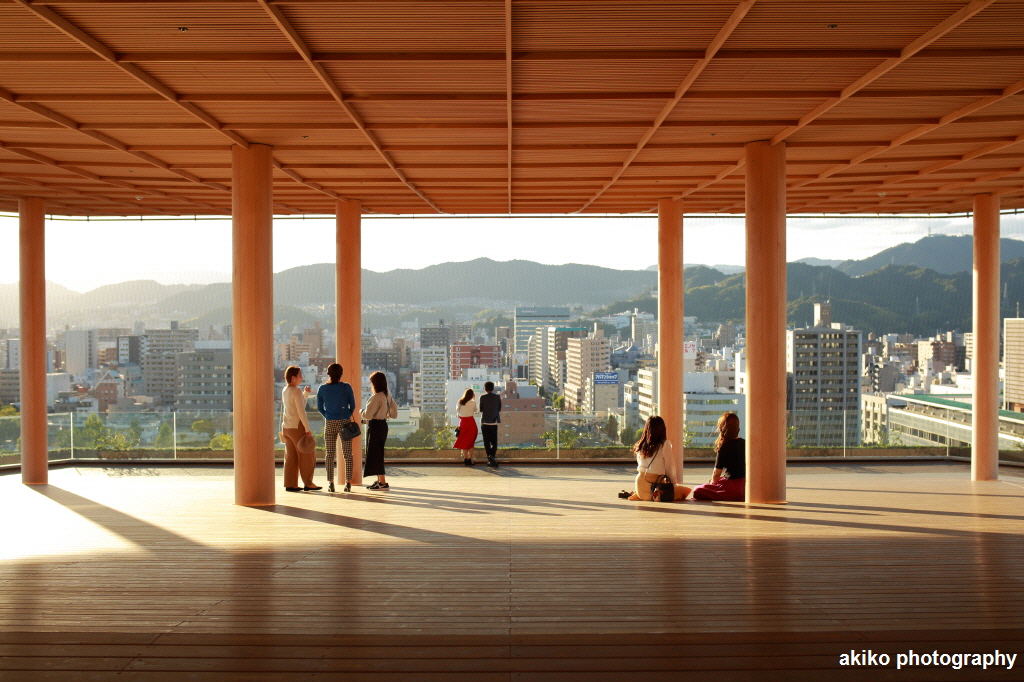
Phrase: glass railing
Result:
[521,436]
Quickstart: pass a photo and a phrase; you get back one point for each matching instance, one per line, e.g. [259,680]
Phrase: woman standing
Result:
[379,408]
[336,401]
[729,481]
[295,425]
[467,426]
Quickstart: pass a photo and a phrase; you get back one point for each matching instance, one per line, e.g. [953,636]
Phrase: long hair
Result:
[334,373]
[467,396]
[291,373]
[653,436]
[379,382]
[728,428]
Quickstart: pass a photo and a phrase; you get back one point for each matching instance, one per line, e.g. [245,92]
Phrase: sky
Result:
[84,255]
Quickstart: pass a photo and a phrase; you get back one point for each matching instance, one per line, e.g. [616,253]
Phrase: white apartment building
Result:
[702,404]
[527,320]
[13,355]
[584,357]
[537,347]
[81,350]
[429,382]
[174,340]
[644,331]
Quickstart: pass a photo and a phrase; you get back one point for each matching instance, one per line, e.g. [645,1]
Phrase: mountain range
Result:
[910,284]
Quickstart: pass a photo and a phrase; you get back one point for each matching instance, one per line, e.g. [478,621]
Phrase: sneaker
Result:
[493,463]
[384,486]
[376,486]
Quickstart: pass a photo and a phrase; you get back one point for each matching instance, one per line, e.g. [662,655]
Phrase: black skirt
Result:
[376,434]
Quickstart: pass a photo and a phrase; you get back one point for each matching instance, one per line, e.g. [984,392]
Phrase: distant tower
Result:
[823,314]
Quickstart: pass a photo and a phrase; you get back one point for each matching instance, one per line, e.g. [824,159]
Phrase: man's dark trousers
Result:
[490,432]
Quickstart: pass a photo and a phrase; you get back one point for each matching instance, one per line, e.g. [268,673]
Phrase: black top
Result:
[490,408]
[732,458]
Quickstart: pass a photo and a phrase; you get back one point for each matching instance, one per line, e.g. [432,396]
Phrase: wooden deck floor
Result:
[529,573]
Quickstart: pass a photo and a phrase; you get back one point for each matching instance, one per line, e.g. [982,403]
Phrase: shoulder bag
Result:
[662,488]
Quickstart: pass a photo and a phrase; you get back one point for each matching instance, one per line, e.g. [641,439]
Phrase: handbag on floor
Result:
[662,488]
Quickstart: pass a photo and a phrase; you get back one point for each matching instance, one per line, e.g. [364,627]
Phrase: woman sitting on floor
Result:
[654,458]
[728,483]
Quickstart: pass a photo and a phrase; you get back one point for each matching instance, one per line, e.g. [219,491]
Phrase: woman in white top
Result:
[467,426]
[295,425]
[655,458]
[379,408]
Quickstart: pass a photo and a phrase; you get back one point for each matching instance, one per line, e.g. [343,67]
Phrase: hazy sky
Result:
[84,255]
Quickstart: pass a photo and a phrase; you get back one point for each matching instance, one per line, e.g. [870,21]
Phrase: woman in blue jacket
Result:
[336,402]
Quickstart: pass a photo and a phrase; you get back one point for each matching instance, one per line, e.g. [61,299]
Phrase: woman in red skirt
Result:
[729,482]
[467,426]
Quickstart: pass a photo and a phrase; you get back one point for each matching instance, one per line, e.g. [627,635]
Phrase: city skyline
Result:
[201,251]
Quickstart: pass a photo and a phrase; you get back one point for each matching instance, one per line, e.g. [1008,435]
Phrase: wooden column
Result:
[670,324]
[985,367]
[766,322]
[349,311]
[255,419]
[34,460]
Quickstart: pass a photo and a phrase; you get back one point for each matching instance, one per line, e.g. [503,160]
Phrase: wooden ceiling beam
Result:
[72,31]
[285,26]
[140,189]
[916,46]
[313,97]
[960,185]
[695,71]
[65,189]
[508,95]
[277,56]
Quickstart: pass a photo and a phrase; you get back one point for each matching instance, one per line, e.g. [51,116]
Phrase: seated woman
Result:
[728,483]
[654,458]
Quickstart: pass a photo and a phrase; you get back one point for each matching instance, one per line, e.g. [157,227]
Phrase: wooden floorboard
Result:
[528,573]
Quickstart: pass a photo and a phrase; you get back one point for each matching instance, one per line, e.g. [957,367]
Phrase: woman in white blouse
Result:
[467,426]
[379,408]
[295,425]
[655,458]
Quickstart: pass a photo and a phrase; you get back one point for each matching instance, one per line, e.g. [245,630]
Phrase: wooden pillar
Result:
[985,367]
[766,321]
[34,459]
[349,311]
[255,419]
[670,324]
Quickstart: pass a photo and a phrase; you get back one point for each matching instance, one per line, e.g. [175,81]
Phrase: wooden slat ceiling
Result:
[522,106]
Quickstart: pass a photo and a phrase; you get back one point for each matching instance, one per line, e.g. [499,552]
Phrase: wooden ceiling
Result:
[522,106]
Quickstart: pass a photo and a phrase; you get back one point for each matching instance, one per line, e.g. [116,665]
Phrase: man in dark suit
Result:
[490,417]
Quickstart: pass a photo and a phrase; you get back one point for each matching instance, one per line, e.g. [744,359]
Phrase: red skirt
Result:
[726,490]
[467,433]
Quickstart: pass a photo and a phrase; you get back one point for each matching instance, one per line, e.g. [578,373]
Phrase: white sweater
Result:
[467,410]
[294,401]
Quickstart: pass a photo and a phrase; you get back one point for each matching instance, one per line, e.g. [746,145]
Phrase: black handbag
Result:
[662,489]
[350,430]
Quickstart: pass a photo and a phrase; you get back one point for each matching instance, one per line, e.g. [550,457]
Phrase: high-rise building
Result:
[1013,363]
[81,350]
[160,377]
[173,340]
[644,330]
[436,336]
[537,357]
[204,381]
[583,357]
[429,381]
[314,337]
[823,363]
[725,336]
[555,365]
[527,320]
[467,356]
[132,348]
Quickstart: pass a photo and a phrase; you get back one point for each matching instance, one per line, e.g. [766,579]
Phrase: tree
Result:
[611,427]
[564,438]
[115,441]
[222,441]
[558,401]
[10,427]
[135,431]
[8,410]
[427,423]
[165,436]
[204,426]
[444,437]
[687,436]
[791,437]
[626,437]
[91,433]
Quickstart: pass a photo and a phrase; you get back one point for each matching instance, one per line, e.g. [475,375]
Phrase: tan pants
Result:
[296,463]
